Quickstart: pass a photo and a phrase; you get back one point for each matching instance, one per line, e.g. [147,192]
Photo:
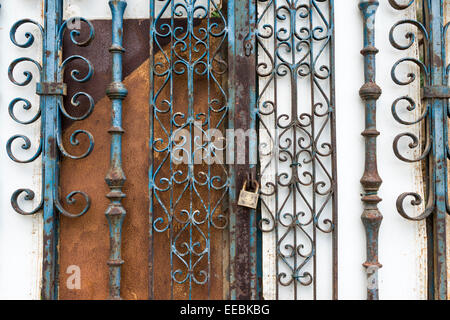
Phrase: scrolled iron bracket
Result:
[435,95]
[51,90]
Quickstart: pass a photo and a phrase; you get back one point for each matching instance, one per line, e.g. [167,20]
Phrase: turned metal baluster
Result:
[371,181]
[116,178]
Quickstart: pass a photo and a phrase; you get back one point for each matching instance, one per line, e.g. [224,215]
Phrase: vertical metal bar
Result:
[50,59]
[231,145]
[151,139]
[242,81]
[115,178]
[334,244]
[371,181]
[440,139]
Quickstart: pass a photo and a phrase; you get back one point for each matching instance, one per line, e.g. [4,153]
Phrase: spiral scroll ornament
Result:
[297,154]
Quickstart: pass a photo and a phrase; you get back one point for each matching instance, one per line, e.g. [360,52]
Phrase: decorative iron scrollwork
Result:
[187,192]
[433,145]
[295,43]
[51,89]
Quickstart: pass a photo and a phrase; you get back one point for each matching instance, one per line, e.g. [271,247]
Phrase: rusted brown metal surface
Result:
[86,243]
[242,83]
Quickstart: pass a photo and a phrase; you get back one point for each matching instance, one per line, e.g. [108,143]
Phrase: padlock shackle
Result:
[244,187]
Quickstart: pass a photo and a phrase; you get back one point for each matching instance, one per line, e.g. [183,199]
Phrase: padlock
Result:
[249,199]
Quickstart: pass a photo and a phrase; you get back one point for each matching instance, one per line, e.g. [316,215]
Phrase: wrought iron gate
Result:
[188,188]
[217,72]
[51,90]
[270,44]
[214,66]
[431,39]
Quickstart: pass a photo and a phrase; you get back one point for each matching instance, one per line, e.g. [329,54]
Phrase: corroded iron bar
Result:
[371,181]
[242,83]
[50,160]
[439,114]
[115,178]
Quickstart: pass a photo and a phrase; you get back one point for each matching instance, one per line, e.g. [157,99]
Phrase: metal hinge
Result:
[51,89]
[436,92]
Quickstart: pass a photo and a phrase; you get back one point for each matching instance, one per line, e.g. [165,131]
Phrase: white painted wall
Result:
[401,244]
[20,236]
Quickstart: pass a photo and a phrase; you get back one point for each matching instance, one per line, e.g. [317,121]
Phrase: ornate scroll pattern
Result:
[187,187]
[295,58]
[430,36]
[411,106]
[51,89]
[46,89]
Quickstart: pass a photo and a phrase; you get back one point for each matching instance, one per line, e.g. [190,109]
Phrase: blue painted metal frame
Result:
[52,91]
[436,151]
[116,177]
[371,181]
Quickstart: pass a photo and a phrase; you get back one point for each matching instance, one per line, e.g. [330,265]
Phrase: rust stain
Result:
[85,241]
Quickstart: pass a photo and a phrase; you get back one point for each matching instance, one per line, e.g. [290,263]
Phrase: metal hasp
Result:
[435,150]
[116,92]
[188,185]
[51,90]
[296,111]
[371,181]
